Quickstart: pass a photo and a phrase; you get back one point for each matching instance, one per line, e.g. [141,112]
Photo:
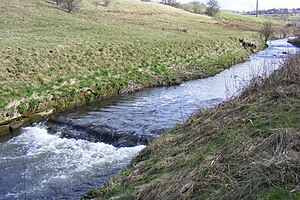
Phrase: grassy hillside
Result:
[247,148]
[260,19]
[51,59]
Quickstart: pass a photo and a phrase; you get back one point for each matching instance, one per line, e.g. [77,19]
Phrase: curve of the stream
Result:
[80,149]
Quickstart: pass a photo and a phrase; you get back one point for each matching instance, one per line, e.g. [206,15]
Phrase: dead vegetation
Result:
[246,148]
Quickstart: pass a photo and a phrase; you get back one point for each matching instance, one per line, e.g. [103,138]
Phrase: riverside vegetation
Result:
[51,59]
[295,41]
[245,148]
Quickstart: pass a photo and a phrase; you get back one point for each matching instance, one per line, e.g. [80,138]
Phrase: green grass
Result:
[199,9]
[260,19]
[289,18]
[228,15]
[246,148]
[52,59]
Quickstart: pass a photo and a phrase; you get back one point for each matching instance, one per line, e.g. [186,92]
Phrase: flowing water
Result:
[80,149]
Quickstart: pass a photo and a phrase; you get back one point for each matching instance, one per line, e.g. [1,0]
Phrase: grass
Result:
[250,18]
[51,59]
[289,18]
[246,148]
[295,41]
[228,15]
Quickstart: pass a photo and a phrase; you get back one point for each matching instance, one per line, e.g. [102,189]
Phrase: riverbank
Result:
[53,60]
[295,41]
[245,148]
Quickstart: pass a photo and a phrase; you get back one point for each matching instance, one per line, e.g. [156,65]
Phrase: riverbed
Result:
[74,151]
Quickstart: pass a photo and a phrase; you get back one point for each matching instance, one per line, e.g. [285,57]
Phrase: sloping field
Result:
[51,59]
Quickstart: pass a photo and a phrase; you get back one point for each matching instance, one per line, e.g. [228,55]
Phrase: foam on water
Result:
[49,160]
[40,165]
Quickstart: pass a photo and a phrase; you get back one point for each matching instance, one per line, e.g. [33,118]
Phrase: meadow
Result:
[51,59]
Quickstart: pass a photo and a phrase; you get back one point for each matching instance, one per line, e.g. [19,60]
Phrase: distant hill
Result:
[274,11]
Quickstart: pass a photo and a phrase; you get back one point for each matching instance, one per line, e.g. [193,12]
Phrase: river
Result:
[79,149]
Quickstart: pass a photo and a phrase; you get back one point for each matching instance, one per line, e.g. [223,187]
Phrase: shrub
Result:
[212,8]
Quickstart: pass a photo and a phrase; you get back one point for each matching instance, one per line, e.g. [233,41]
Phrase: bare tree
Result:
[106,2]
[266,31]
[173,3]
[71,5]
[212,8]
[58,1]
[197,6]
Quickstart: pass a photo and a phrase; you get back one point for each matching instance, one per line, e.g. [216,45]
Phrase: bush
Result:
[71,5]
[106,2]
[267,31]
[212,8]
[295,41]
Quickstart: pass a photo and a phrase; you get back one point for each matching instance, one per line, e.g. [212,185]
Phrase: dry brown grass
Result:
[246,148]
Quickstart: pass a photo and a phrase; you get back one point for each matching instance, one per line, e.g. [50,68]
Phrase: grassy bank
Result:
[51,59]
[295,41]
[247,148]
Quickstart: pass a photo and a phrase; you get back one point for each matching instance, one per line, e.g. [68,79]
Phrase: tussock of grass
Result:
[246,148]
[51,59]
